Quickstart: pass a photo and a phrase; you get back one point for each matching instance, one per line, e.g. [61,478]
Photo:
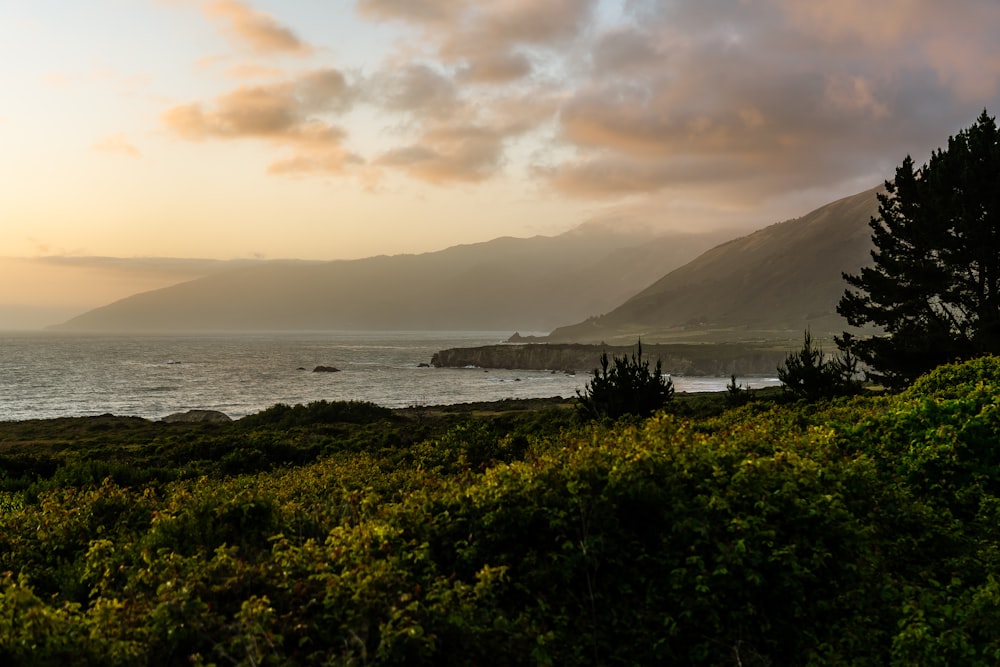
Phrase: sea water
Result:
[47,374]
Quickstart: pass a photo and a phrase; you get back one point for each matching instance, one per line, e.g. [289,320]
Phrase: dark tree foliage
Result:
[282,415]
[625,386]
[934,288]
[810,375]
[737,394]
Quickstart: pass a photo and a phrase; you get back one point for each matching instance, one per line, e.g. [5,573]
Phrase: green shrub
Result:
[317,412]
[959,380]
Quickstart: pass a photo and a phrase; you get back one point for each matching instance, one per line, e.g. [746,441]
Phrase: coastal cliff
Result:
[692,360]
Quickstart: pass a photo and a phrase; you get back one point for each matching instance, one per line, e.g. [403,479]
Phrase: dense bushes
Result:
[317,412]
[862,532]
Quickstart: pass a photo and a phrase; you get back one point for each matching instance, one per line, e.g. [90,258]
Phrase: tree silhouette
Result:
[809,375]
[625,386]
[934,287]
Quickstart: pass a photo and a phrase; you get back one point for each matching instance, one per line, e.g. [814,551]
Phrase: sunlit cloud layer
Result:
[243,127]
[742,99]
[255,30]
[287,114]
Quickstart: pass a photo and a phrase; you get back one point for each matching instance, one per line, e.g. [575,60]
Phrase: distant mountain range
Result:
[507,284]
[769,285]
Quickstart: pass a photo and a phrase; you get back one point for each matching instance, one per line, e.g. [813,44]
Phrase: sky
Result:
[332,129]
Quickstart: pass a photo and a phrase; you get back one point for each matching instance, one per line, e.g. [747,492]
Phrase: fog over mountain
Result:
[507,284]
[36,292]
[772,284]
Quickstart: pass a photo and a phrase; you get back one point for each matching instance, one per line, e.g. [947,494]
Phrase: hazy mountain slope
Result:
[773,283]
[38,291]
[506,284]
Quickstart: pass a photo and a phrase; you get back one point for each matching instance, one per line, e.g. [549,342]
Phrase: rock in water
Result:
[326,369]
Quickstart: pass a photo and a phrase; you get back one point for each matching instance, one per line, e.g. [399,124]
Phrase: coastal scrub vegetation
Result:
[860,530]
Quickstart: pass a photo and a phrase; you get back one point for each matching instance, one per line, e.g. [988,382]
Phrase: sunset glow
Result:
[237,129]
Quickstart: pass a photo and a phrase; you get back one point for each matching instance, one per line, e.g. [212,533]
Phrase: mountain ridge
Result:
[506,284]
[770,284]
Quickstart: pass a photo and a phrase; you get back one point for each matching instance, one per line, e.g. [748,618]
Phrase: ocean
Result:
[47,374]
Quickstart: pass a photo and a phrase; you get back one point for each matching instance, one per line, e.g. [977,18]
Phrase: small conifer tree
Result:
[808,374]
[737,394]
[625,386]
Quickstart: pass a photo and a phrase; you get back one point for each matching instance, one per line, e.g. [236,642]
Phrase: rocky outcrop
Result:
[198,416]
[326,369]
[694,360]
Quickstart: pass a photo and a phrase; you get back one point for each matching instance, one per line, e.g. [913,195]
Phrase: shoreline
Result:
[686,360]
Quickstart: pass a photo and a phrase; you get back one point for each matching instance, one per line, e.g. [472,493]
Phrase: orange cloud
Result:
[421,11]
[286,114]
[446,154]
[256,30]
[117,144]
[753,98]
[248,111]
[270,110]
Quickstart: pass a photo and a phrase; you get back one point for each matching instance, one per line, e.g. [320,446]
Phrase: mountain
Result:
[772,284]
[507,284]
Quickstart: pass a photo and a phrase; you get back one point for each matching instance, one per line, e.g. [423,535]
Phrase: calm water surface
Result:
[44,375]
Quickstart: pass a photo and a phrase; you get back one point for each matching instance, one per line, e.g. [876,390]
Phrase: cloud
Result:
[456,138]
[415,88]
[488,40]
[497,68]
[755,99]
[625,50]
[291,114]
[418,11]
[735,100]
[256,30]
[855,94]
[117,144]
[269,111]
[955,40]
[448,154]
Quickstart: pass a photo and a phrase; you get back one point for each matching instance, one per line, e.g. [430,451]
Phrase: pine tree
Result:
[934,288]
[625,387]
[810,375]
